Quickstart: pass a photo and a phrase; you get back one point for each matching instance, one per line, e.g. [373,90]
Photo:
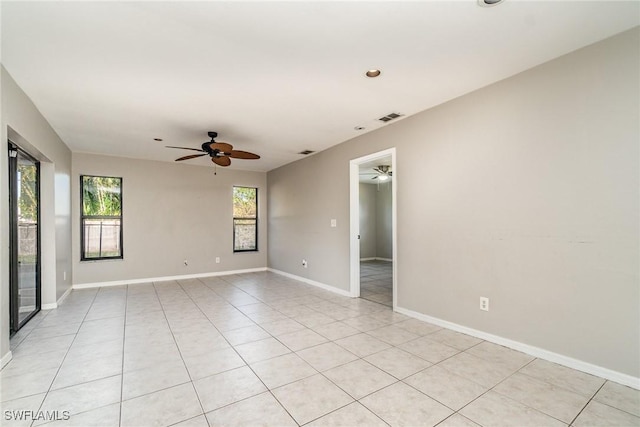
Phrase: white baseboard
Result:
[6,359]
[63,296]
[540,353]
[51,306]
[375,258]
[312,282]
[368,259]
[166,278]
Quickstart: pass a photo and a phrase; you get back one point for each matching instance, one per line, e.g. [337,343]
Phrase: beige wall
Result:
[368,223]
[384,231]
[171,212]
[23,123]
[525,192]
[375,221]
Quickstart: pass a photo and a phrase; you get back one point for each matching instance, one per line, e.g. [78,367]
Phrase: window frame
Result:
[244,219]
[84,217]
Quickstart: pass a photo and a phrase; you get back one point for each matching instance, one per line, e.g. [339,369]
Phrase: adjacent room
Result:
[320,213]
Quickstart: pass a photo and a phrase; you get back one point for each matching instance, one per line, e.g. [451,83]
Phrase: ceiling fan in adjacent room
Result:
[221,153]
[383,173]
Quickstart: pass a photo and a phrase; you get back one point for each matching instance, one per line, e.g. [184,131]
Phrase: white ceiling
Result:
[274,78]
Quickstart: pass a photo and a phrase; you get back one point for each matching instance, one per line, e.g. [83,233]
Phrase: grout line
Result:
[124,337]
[93,300]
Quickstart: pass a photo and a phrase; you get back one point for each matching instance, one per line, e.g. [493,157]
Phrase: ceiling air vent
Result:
[306,152]
[389,117]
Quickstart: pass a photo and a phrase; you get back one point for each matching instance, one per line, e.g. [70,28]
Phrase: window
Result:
[101,217]
[245,219]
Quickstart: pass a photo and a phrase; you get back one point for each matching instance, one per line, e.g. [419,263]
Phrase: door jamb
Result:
[354,221]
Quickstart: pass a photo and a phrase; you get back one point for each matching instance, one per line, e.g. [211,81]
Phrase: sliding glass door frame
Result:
[14,262]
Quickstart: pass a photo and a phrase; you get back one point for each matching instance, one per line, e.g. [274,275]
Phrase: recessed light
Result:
[372,73]
[487,3]
[359,128]
[157,139]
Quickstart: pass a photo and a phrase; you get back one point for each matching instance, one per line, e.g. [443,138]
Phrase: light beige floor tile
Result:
[215,362]
[362,345]
[359,378]
[282,370]
[366,323]
[228,387]
[401,405]
[106,416]
[147,380]
[261,350]
[353,414]
[245,335]
[499,354]
[280,327]
[393,335]
[312,320]
[572,380]
[199,421]
[418,327]
[151,356]
[84,397]
[454,339]
[493,409]
[161,408]
[477,370]
[302,339]
[10,411]
[259,411]
[620,397]
[597,414]
[449,389]
[336,330]
[429,350]
[326,356]
[55,331]
[33,362]
[25,384]
[552,400]
[266,316]
[196,344]
[311,398]
[457,420]
[229,324]
[397,362]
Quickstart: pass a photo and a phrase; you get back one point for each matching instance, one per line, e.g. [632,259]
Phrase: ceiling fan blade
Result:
[239,154]
[221,161]
[375,177]
[221,146]
[190,156]
[185,148]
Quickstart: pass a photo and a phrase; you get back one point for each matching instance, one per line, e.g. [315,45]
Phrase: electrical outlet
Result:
[484,303]
[185,262]
[217,260]
[334,223]
[304,263]
[64,276]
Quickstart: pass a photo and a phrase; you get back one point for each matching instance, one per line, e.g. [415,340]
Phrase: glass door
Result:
[24,236]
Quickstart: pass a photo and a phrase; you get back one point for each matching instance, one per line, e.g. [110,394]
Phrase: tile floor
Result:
[376,281]
[262,349]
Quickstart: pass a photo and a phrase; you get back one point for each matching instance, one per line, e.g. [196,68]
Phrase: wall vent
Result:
[306,152]
[390,117]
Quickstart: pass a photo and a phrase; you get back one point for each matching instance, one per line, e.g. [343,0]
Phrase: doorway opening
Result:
[373,228]
[24,237]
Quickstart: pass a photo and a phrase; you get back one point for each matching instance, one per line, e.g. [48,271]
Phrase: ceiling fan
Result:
[384,173]
[221,153]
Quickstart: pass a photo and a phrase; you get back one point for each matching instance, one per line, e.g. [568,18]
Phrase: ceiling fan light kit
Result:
[221,153]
